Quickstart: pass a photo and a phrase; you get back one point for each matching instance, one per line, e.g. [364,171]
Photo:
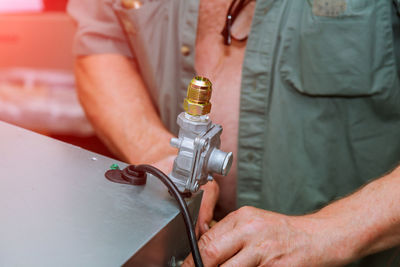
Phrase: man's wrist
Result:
[335,240]
[152,151]
[345,230]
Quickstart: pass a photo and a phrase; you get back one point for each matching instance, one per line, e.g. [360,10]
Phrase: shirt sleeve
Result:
[98,29]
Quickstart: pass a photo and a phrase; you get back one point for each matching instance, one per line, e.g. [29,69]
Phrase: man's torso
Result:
[223,65]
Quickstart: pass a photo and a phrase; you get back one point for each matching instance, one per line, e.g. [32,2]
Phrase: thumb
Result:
[206,213]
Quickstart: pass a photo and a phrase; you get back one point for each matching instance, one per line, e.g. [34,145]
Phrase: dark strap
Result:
[396,4]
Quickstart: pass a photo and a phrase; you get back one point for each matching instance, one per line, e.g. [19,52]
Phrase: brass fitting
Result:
[197,102]
[131,4]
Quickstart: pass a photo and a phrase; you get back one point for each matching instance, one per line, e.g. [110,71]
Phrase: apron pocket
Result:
[348,52]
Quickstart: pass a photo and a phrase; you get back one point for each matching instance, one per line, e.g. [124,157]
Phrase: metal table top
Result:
[57,208]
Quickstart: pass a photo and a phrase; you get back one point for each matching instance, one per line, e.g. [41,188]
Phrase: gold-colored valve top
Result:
[199,91]
[131,4]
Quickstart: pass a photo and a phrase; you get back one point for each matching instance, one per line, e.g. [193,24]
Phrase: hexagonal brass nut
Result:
[131,4]
[196,109]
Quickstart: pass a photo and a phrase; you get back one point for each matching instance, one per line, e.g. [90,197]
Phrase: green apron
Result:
[320,104]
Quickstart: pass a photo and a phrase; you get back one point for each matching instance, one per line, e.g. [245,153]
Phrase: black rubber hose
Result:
[182,206]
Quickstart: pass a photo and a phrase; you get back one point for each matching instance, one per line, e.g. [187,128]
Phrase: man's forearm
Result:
[120,109]
[366,222]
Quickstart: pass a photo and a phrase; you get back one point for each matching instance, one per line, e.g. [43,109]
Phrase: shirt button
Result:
[185,50]
[131,4]
[250,156]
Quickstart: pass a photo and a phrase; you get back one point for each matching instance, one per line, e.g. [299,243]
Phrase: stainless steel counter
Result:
[57,209]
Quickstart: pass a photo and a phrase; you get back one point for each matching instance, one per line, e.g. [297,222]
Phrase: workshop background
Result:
[37,86]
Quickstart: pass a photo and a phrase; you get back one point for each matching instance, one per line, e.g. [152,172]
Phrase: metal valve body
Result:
[198,141]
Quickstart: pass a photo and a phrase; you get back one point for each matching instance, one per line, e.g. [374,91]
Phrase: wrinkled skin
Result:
[255,237]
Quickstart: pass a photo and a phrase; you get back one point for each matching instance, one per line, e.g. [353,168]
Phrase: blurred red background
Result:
[36,72]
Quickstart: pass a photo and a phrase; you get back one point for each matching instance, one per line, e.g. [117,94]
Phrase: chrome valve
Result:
[198,141]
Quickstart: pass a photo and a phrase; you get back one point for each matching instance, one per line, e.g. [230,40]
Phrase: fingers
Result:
[245,258]
[219,244]
[188,262]
[205,216]
[217,249]
[210,197]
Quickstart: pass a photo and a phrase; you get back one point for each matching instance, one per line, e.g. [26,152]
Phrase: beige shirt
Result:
[100,32]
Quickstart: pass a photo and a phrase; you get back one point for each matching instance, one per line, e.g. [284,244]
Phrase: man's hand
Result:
[255,237]
[361,224]
[206,213]
[165,165]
